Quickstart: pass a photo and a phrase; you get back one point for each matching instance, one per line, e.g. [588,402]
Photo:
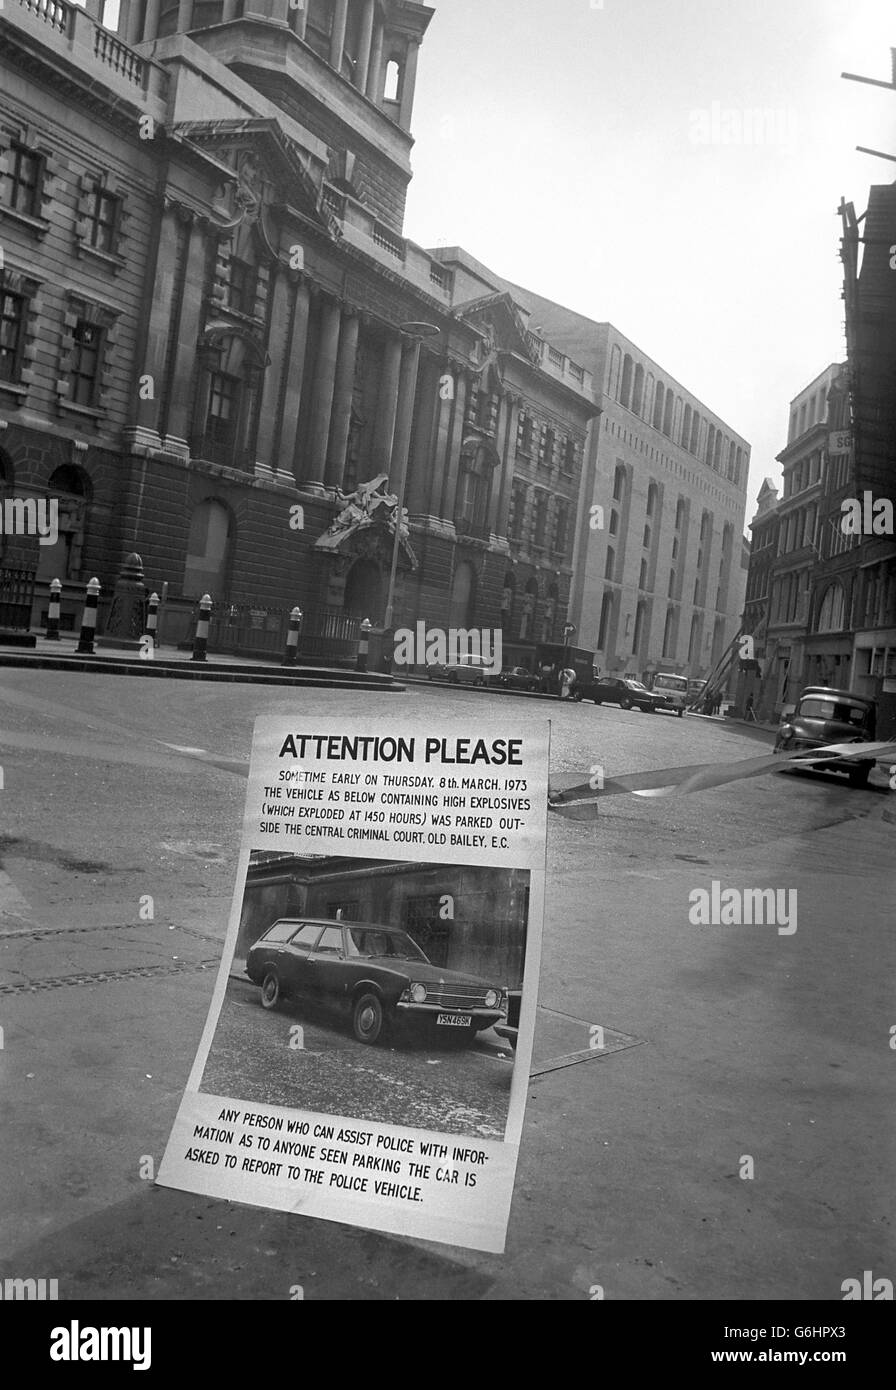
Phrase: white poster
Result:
[367,1051]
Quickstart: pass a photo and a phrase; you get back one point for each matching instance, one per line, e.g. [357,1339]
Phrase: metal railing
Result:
[252,629]
[16,597]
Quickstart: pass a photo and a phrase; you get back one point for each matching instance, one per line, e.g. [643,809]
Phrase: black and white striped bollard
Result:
[88,618]
[363,644]
[292,637]
[53,611]
[200,641]
[152,617]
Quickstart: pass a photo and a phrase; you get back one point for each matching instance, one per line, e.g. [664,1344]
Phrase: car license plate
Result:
[455,1020]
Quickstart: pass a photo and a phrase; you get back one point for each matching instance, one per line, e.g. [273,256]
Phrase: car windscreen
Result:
[670,683]
[635,685]
[395,945]
[814,707]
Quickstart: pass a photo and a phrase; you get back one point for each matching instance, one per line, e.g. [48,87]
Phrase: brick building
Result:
[205,283]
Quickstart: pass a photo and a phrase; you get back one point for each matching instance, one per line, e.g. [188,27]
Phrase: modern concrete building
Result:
[658,573]
[205,353]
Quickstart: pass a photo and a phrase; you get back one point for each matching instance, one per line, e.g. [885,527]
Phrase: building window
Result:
[517,511]
[830,614]
[102,222]
[610,564]
[241,286]
[22,181]
[646,540]
[541,517]
[639,627]
[547,448]
[606,614]
[619,483]
[87,340]
[220,423]
[13,309]
[561,537]
[393,81]
[614,521]
[669,633]
[642,577]
[569,455]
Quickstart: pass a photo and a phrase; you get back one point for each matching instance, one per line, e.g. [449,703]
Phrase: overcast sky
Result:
[561,143]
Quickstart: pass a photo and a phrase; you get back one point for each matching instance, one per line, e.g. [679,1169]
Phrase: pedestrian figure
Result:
[567,681]
[749,712]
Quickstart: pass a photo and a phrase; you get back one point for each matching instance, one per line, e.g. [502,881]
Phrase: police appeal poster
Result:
[367,1051]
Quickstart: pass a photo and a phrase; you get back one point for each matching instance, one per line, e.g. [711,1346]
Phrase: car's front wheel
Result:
[625,704]
[368,1020]
[271,993]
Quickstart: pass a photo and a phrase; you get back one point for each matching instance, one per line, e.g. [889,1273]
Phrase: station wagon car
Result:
[824,715]
[465,670]
[377,976]
[622,691]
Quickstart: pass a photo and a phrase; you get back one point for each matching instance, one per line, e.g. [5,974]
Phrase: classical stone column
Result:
[273,375]
[455,441]
[408,83]
[285,444]
[152,367]
[184,16]
[322,390]
[337,36]
[374,75]
[176,424]
[228,13]
[384,426]
[151,20]
[130,24]
[426,421]
[500,494]
[341,418]
[363,68]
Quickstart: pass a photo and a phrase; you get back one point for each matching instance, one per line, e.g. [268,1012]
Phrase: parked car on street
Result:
[518,678]
[619,690]
[376,976]
[672,690]
[466,670]
[825,715]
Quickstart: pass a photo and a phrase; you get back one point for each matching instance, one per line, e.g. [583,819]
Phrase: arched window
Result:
[73,491]
[619,483]
[658,403]
[225,400]
[669,632]
[667,414]
[625,394]
[694,641]
[710,444]
[732,459]
[392,86]
[640,612]
[638,390]
[717,456]
[648,396]
[615,371]
[209,551]
[652,494]
[606,616]
[610,564]
[680,513]
[830,614]
[695,434]
[473,489]
[686,427]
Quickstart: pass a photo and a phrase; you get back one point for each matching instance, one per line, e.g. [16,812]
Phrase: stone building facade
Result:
[659,582]
[206,352]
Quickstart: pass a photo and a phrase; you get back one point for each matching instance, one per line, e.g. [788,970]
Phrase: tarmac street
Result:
[733,1139]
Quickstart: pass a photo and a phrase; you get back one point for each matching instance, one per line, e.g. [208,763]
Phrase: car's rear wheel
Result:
[368,1020]
[271,993]
[858,776]
[625,704]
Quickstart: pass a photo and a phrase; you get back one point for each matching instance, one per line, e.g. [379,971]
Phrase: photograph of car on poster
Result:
[374,987]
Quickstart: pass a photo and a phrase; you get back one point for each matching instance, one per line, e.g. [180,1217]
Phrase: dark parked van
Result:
[823,716]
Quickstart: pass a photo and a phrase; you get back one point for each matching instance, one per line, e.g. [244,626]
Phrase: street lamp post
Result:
[415,333]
